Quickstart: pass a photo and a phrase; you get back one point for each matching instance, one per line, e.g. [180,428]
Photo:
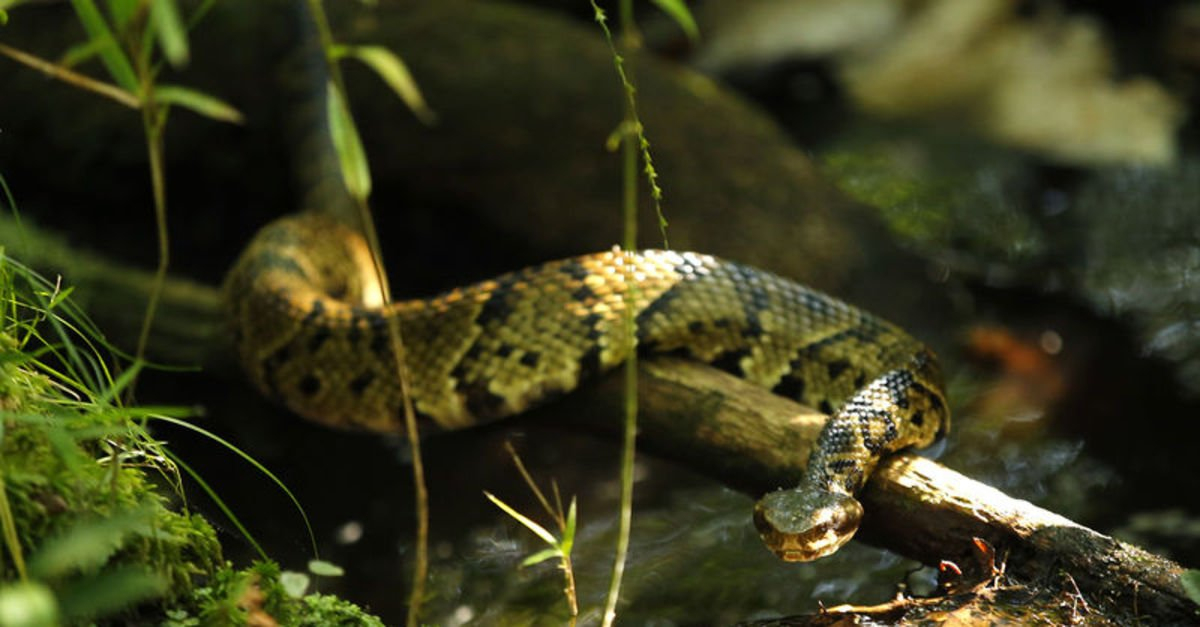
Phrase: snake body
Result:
[311,330]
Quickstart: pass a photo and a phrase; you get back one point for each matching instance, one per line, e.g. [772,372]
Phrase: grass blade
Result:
[394,72]
[212,494]
[679,12]
[541,556]
[253,462]
[521,518]
[356,174]
[123,381]
[568,539]
[170,31]
[198,102]
[111,55]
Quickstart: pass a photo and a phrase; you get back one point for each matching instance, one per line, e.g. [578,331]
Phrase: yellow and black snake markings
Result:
[310,328]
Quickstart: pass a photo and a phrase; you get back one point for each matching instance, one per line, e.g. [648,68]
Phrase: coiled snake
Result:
[311,331]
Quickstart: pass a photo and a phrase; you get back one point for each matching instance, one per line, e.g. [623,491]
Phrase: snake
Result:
[311,329]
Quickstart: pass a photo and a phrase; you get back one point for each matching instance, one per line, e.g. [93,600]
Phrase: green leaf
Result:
[394,72]
[568,539]
[121,383]
[294,584]
[171,33]
[1191,584]
[79,53]
[541,556]
[198,102]
[529,524]
[111,55]
[325,569]
[3,17]
[60,296]
[356,174]
[87,543]
[679,12]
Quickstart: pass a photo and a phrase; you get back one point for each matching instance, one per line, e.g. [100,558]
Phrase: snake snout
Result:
[803,525]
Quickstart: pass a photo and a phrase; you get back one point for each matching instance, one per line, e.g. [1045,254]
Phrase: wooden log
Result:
[749,438]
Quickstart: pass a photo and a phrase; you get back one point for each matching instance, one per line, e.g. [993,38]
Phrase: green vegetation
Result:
[85,533]
[557,547]
[88,531]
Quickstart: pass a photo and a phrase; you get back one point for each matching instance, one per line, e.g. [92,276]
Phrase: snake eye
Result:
[803,525]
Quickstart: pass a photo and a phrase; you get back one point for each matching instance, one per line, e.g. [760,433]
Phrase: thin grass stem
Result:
[367,225]
[54,70]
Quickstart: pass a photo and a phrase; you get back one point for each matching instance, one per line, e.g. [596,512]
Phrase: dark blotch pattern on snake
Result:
[311,331]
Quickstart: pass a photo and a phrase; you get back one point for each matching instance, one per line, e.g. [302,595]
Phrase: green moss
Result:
[88,528]
[947,201]
[238,597]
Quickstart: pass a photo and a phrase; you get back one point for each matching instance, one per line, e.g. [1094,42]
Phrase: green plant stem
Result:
[153,121]
[367,224]
[11,539]
[629,155]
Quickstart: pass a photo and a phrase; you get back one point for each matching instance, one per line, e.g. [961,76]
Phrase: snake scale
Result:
[312,332]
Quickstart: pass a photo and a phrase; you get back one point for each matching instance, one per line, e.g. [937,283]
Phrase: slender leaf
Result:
[253,462]
[212,494]
[3,17]
[111,55]
[541,556]
[521,518]
[123,381]
[679,12]
[60,296]
[170,31]
[198,102]
[568,539]
[394,72]
[356,174]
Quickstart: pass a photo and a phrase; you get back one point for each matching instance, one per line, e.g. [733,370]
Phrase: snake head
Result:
[801,525]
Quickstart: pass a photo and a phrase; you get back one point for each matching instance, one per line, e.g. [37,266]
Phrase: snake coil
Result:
[312,332]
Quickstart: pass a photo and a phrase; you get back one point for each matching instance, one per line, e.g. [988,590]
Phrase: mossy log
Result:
[734,431]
